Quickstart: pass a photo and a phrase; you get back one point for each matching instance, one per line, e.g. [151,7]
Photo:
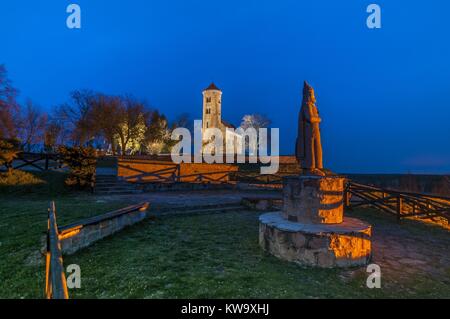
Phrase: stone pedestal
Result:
[313,199]
[311,229]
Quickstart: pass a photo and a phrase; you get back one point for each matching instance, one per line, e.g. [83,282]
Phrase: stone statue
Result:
[311,229]
[309,147]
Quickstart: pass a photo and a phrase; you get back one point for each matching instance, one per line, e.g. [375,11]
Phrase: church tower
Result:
[212,107]
[212,116]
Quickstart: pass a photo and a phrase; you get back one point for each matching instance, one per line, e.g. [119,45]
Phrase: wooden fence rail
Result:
[398,203]
[55,278]
[38,161]
[173,175]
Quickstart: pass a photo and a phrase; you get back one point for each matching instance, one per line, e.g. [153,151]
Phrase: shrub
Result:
[82,162]
[9,150]
[45,185]
[19,178]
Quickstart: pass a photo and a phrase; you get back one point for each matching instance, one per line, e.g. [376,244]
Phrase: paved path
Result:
[192,198]
[402,252]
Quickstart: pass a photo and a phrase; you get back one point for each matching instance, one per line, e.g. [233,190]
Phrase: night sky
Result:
[384,95]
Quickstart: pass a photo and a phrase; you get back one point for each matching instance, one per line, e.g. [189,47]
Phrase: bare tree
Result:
[107,113]
[77,116]
[54,135]
[30,124]
[255,121]
[8,105]
[183,120]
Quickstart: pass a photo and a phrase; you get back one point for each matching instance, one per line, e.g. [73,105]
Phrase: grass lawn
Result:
[23,224]
[203,256]
[217,256]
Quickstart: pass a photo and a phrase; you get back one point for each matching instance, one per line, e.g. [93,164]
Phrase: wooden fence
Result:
[173,174]
[397,203]
[38,161]
[86,232]
[145,171]
[55,278]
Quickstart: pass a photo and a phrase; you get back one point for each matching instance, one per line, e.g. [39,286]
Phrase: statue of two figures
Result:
[308,146]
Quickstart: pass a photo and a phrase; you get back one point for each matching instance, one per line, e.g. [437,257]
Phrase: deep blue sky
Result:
[384,95]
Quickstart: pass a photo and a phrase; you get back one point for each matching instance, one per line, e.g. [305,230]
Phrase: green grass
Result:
[204,256]
[217,256]
[23,223]
[36,184]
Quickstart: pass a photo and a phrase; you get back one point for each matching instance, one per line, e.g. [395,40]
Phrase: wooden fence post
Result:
[399,207]
[346,198]
[55,278]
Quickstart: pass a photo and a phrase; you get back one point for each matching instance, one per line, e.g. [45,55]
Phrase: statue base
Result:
[311,229]
[346,244]
[313,199]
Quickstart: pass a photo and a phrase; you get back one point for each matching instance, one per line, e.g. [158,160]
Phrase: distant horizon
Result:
[383,95]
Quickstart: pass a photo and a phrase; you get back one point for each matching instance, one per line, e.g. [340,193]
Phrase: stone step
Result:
[114,184]
[118,192]
[199,210]
[106,179]
[114,187]
[98,191]
[107,183]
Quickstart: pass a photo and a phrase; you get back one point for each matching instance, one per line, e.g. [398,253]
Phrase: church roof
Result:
[226,124]
[212,86]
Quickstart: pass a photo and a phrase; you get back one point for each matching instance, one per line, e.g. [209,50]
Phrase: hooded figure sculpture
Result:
[309,147]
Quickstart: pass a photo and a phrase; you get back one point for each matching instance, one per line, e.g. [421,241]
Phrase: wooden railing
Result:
[172,174]
[397,203]
[39,161]
[165,175]
[55,278]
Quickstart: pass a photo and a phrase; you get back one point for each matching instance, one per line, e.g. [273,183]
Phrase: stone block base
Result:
[319,245]
[313,199]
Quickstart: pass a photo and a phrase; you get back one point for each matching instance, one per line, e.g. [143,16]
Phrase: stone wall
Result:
[164,187]
[204,168]
[84,233]
[135,170]
[332,246]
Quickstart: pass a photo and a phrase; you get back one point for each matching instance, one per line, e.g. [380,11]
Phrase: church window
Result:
[208,100]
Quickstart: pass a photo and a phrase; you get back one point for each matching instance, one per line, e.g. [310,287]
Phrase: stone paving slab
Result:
[192,198]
